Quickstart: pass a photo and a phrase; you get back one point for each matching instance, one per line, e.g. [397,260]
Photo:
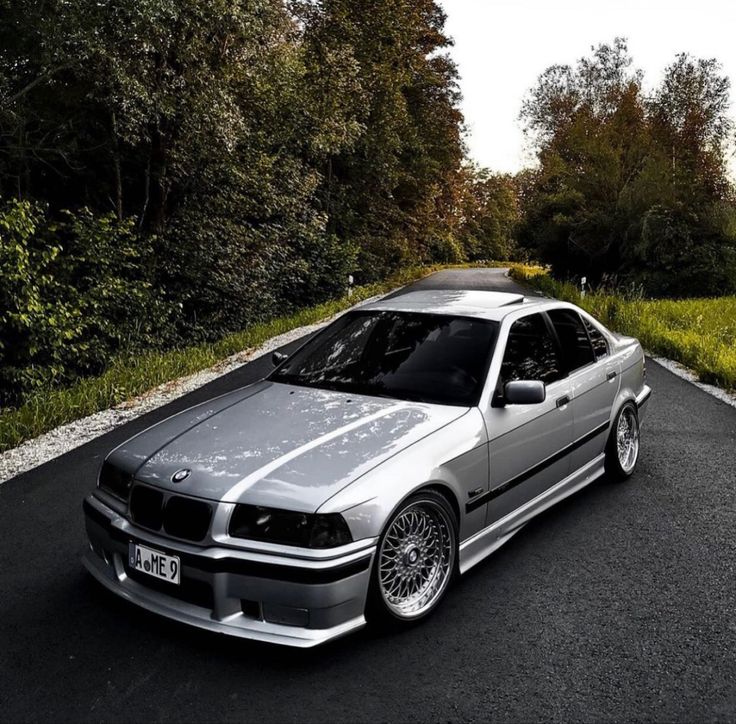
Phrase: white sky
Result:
[501,47]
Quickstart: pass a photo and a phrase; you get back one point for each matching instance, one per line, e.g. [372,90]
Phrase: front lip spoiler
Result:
[254,630]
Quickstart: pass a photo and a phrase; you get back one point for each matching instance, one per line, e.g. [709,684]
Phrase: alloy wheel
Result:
[416,559]
[627,439]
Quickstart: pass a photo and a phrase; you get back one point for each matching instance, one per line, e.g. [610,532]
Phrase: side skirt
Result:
[477,547]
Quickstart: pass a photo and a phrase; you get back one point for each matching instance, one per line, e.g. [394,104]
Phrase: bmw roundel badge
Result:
[180,475]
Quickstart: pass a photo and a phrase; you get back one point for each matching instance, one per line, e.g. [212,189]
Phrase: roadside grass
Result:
[129,376]
[698,333]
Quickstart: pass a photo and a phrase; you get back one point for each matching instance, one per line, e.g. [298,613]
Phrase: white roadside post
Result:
[583,280]
[350,285]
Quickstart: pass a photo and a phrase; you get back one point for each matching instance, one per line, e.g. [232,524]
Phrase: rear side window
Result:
[600,346]
[531,353]
[574,340]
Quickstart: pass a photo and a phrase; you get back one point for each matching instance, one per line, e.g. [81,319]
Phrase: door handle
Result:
[562,401]
[611,374]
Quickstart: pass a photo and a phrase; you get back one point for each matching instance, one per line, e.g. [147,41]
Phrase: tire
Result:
[415,561]
[622,449]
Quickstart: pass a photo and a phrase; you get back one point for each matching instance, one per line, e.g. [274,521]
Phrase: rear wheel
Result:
[622,451]
[415,560]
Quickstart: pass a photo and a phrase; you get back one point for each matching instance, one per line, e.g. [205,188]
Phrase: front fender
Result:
[453,460]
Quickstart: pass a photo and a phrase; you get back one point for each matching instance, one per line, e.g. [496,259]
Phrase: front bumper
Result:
[297,601]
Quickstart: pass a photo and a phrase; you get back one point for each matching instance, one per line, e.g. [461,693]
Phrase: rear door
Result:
[594,381]
[524,440]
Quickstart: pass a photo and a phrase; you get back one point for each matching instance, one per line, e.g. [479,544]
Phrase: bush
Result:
[75,292]
[681,254]
[318,270]
[33,329]
[446,249]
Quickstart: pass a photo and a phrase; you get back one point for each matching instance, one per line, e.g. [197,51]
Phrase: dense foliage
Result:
[632,184]
[72,291]
[173,170]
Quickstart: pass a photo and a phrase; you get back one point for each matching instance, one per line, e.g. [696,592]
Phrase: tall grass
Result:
[698,333]
[128,376]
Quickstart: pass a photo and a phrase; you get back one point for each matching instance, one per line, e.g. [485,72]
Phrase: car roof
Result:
[460,302]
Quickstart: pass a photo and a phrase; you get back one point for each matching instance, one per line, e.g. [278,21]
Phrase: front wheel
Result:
[415,560]
[622,450]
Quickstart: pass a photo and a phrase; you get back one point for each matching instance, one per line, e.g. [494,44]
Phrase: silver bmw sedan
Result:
[392,452]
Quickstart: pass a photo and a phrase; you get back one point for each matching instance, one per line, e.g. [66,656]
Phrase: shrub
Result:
[75,292]
[681,254]
[446,249]
[33,329]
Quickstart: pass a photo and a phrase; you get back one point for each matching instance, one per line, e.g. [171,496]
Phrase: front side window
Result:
[574,341]
[531,353]
[403,355]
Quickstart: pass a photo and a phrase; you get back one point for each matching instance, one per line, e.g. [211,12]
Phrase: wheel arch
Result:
[624,396]
[446,492]
[436,486]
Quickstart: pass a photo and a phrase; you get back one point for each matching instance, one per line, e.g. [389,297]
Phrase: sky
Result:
[502,46]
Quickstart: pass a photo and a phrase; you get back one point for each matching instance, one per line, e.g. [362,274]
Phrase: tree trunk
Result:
[146,193]
[328,200]
[159,182]
[116,167]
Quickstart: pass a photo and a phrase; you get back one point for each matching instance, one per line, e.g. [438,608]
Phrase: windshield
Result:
[403,355]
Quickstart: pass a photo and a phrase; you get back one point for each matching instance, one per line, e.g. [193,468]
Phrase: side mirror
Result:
[278,357]
[524,392]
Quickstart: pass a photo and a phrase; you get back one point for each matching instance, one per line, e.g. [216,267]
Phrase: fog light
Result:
[286,615]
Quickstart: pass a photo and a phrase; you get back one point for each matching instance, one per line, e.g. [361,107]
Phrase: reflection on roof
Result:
[490,305]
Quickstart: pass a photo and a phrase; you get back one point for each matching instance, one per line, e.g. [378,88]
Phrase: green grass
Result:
[698,333]
[130,376]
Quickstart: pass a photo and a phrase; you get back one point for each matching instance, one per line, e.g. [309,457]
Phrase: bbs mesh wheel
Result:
[415,560]
[622,450]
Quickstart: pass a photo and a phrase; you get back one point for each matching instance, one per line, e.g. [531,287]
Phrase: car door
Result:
[524,440]
[594,382]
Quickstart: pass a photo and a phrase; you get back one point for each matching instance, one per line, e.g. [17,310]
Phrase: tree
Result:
[588,124]
[690,120]
[621,174]
[490,214]
[248,154]
[384,188]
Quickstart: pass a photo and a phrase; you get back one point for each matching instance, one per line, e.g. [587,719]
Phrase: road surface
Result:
[617,604]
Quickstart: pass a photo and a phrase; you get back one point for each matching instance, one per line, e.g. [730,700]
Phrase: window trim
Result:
[589,322]
[487,397]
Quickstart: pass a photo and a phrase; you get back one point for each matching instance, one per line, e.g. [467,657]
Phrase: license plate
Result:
[154,563]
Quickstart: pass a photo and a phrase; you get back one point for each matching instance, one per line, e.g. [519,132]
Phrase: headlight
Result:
[115,481]
[308,530]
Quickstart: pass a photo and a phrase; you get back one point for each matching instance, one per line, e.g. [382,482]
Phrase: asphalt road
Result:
[618,604]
